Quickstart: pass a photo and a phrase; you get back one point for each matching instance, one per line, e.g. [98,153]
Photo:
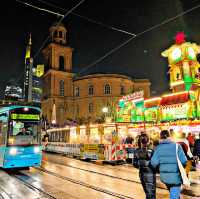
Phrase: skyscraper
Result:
[27,92]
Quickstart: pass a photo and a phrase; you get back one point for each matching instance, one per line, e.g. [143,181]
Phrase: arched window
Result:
[77,92]
[61,63]
[90,107]
[55,34]
[60,34]
[90,90]
[107,89]
[122,90]
[62,87]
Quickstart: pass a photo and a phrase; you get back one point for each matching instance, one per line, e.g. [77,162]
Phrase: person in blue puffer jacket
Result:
[164,157]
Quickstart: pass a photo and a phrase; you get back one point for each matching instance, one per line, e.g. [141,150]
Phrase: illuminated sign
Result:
[173,112]
[16,116]
[130,108]
[133,96]
[151,114]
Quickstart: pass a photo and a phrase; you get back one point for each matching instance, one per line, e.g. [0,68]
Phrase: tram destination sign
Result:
[17,116]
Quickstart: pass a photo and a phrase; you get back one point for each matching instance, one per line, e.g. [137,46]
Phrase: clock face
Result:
[191,53]
[176,55]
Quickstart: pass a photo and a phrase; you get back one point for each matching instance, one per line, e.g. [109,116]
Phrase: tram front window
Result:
[23,133]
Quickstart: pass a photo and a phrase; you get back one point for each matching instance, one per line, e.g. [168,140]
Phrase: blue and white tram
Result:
[20,139]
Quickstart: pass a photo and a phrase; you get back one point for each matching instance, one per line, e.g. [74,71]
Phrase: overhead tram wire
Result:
[41,9]
[87,18]
[137,35]
[127,41]
[75,14]
[57,24]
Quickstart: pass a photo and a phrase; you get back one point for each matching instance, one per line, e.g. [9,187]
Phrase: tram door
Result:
[3,136]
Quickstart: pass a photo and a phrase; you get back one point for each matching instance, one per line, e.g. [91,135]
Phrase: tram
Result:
[20,139]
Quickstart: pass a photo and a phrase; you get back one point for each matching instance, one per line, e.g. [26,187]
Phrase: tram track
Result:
[118,178]
[103,174]
[99,173]
[84,184]
[19,176]
[5,195]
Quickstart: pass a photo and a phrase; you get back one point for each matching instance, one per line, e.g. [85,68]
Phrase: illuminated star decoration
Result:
[180,38]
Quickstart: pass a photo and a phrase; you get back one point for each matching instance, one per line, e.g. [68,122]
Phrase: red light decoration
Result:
[180,38]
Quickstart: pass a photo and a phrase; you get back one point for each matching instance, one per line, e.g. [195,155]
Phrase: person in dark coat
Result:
[164,157]
[142,158]
[197,147]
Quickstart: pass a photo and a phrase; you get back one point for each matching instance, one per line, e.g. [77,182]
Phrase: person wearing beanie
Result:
[142,158]
[165,159]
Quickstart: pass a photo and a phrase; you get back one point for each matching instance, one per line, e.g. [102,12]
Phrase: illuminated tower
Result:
[28,73]
[184,69]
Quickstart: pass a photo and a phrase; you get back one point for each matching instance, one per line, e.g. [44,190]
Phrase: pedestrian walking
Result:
[186,148]
[197,147]
[191,140]
[165,157]
[142,159]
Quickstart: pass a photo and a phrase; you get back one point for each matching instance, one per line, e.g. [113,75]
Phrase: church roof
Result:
[99,75]
[60,24]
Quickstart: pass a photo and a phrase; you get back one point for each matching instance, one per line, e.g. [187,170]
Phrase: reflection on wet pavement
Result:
[67,178]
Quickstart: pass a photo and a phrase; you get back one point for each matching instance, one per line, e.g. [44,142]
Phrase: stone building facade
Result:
[81,98]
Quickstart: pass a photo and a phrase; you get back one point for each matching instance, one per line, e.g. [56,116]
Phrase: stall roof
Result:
[152,102]
[175,98]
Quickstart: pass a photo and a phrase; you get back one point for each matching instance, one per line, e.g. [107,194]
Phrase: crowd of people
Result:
[166,158]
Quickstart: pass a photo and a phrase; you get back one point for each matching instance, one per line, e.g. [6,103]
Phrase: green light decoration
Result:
[188,86]
[198,108]
[16,116]
[151,114]
[121,104]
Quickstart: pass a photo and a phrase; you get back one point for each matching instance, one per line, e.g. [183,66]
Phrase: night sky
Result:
[140,58]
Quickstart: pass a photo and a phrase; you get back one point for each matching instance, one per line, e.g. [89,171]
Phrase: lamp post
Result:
[105,110]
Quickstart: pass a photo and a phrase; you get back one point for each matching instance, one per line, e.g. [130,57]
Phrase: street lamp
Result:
[105,110]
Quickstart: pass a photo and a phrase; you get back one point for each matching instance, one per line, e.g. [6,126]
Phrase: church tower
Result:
[27,92]
[57,80]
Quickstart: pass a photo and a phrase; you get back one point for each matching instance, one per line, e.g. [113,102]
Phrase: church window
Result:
[122,90]
[61,63]
[55,33]
[107,89]
[90,107]
[77,92]
[90,90]
[62,89]
[60,34]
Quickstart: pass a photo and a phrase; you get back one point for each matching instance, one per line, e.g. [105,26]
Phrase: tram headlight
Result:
[36,149]
[13,151]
